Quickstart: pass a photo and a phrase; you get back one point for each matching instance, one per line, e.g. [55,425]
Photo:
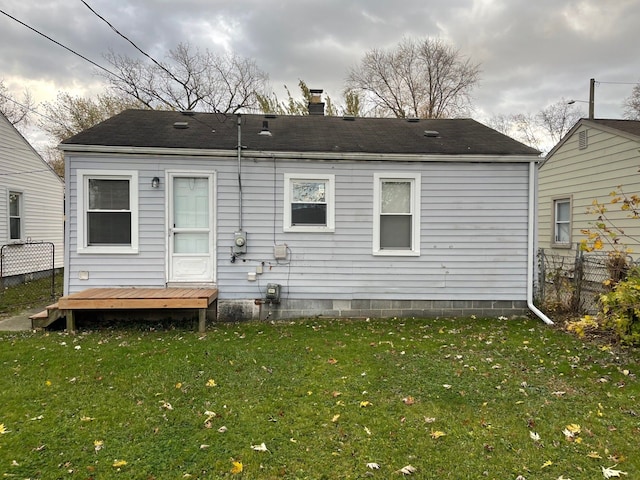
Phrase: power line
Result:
[26,107]
[61,45]
[131,42]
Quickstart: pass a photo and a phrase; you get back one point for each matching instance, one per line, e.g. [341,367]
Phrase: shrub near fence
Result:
[28,275]
[573,284]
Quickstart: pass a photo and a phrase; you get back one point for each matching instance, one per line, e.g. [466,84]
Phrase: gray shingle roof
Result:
[628,126]
[313,133]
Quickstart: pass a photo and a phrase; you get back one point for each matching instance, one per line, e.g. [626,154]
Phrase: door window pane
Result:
[191,202]
[191,243]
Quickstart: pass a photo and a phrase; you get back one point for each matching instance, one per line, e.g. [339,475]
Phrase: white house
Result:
[31,206]
[293,216]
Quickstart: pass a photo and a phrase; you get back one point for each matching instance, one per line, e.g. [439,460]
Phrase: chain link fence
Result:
[573,284]
[27,275]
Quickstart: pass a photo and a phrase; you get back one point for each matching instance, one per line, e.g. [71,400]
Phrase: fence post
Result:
[578,277]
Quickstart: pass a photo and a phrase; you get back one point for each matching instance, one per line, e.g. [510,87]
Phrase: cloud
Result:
[532,54]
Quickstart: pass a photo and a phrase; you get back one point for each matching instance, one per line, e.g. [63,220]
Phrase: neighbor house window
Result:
[15,216]
[562,221]
[309,203]
[107,212]
[396,222]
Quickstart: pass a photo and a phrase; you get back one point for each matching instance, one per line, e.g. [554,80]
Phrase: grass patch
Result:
[32,293]
[452,398]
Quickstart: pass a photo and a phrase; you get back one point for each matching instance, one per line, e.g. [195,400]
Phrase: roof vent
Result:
[349,118]
[431,133]
[269,115]
[265,129]
[181,125]
[189,113]
[413,120]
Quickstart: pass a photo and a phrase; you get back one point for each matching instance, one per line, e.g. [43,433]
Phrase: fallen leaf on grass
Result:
[3,429]
[332,361]
[373,466]
[534,436]
[546,464]
[211,383]
[97,445]
[237,467]
[119,463]
[166,405]
[609,472]
[222,429]
[365,403]
[335,418]
[408,470]
[594,455]
[437,434]
[260,448]
[409,400]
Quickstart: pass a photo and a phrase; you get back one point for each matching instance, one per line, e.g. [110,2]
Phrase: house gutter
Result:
[531,245]
[313,156]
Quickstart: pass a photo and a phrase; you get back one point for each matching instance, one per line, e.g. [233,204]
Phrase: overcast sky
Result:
[532,53]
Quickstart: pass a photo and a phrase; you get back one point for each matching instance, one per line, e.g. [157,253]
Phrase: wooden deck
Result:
[135,299]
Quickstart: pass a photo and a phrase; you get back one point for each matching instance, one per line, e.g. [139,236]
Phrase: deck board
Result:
[139,299]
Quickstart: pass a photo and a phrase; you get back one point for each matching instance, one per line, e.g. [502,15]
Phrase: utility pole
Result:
[592,84]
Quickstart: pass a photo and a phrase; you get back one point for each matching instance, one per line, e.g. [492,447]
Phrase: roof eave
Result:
[357,156]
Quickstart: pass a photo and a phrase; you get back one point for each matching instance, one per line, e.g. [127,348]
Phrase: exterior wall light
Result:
[155,182]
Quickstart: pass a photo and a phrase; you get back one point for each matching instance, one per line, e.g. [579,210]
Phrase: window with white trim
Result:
[396,220]
[15,216]
[562,221]
[107,212]
[309,203]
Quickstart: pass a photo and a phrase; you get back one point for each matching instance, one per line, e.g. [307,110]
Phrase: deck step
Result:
[46,317]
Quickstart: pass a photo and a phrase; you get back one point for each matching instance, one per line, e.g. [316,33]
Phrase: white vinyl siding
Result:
[108,213]
[23,171]
[472,234]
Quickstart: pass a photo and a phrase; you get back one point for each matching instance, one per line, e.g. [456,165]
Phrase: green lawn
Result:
[457,399]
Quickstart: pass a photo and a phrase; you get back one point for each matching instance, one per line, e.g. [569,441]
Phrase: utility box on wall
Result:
[273,292]
[239,243]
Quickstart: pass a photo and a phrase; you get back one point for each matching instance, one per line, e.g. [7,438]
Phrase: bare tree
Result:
[541,130]
[425,79]
[16,111]
[70,114]
[632,104]
[189,79]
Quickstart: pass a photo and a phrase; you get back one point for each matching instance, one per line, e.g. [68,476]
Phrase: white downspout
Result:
[531,245]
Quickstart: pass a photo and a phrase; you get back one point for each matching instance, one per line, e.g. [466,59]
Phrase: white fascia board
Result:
[257,154]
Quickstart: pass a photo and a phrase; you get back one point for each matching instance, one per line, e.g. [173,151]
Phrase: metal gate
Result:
[27,273]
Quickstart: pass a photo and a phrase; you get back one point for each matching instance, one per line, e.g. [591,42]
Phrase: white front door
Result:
[191,233]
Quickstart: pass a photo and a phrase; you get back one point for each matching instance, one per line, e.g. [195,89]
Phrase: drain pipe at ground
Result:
[531,245]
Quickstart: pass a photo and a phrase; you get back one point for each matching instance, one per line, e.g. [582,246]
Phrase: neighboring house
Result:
[31,207]
[594,158]
[305,216]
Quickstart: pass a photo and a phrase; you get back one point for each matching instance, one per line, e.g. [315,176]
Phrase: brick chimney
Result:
[316,105]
